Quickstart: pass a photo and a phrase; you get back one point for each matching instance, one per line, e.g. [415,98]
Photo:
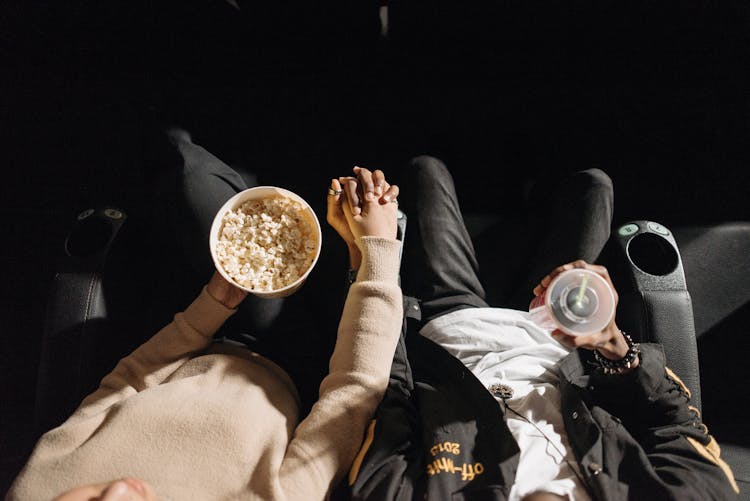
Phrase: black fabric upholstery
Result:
[75,313]
[737,457]
[716,258]
[717,269]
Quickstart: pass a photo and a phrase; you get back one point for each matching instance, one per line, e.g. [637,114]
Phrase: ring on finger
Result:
[334,193]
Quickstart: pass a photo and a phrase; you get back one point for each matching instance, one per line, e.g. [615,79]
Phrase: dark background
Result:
[654,93]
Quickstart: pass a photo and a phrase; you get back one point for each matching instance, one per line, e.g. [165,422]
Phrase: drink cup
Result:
[578,302]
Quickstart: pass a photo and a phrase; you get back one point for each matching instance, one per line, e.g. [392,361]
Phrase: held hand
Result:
[224,292]
[335,212]
[366,182]
[370,205]
[337,220]
[345,196]
[610,342]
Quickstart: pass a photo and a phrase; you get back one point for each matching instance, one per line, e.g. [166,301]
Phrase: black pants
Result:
[567,218]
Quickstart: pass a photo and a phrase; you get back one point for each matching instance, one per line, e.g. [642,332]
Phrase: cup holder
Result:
[89,237]
[652,254]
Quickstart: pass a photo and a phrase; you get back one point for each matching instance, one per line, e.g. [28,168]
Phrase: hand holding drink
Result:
[577,302]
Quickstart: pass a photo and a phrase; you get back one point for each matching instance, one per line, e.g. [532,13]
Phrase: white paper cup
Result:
[578,302]
[262,192]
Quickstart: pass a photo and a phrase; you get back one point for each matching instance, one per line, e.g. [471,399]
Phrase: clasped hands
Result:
[364,204]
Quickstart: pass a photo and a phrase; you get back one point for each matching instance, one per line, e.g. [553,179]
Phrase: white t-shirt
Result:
[504,346]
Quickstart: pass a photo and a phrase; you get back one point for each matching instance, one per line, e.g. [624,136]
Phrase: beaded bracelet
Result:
[623,364]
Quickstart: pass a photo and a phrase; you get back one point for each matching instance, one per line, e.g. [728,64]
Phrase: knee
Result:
[596,177]
[593,181]
[177,135]
[428,166]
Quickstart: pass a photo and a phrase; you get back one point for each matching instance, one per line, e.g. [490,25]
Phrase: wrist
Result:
[224,293]
[355,256]
[620,358]
[220,297]
[617,346]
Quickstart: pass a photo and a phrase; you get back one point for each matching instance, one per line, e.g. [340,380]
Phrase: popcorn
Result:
[266,244]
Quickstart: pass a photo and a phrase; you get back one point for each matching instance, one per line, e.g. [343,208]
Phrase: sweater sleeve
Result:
[327,441]
[152,362]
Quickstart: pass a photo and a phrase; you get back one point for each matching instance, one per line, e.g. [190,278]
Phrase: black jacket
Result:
[440,435]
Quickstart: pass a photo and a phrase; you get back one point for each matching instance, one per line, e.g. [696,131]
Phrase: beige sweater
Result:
[207,425]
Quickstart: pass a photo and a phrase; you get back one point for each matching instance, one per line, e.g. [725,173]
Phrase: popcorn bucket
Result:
[266,234]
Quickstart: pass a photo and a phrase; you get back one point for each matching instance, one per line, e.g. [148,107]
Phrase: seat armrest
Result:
[76,311]
[654,303]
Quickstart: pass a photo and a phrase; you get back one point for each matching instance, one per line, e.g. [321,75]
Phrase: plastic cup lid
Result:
[580,301]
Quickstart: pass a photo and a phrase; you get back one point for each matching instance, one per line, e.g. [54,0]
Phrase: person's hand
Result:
[364,182]
[125,489]
[370,204]
[346,195]
[610,342]
[335,214]
[224,292]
